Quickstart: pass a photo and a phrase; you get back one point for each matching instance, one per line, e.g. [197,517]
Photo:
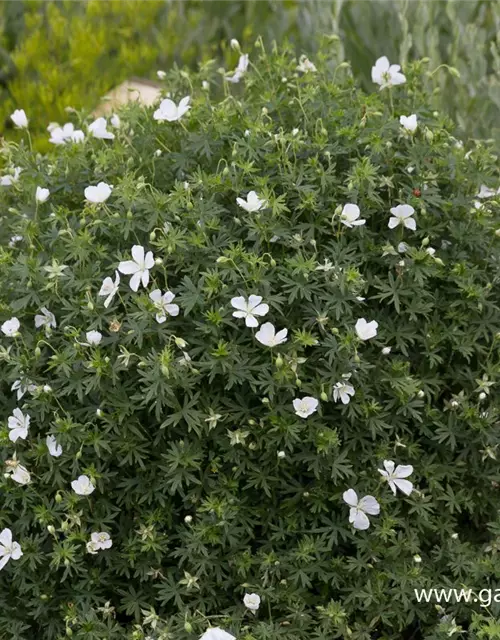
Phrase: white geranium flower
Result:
[402,214]
[252,203]
[100,541]
[304,407]
[305,65]
[98,129]
[240,69]
[359,509]
[409,123]
[109,288]
[11,327]
[350,216]
[171,112]
[267,335]
[10,550]
[82,486]
[161,74]
[10,179]
[248,309]
[41,194]
[54,448]
[486,192]
[98,194]
[216,633]
[387,75]
[46,319]
[395,476]
[20,474]
[18,424]
[19,119]
[93,338]
[115,121]
[91,547]
[251,601]
[163,304]
[22,387]
[14,240]
[343,391]
[366,330]
[138,268]
[67,133]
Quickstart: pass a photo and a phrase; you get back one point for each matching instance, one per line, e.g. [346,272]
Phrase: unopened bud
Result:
[152,236]
[58,498]
[420,394]
[158,261]
[235,45]
[482,396]
[51,529]
[188,519]
[279,362]
[323,396]
[38,352]
[281,454]
[182,344]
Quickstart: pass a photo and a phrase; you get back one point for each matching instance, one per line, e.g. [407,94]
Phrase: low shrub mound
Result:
[250,359]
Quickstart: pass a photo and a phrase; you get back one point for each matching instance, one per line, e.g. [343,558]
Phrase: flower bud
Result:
[281,454]
[188,627]
[420,394]
[182,344]
[386,351]
[279,362]
[417,559]
[265,400]
[98,413]
[298,382]
[158,261]
[58,498]
[429,136]
[324,396]
[78,455]
[497,233]
[38,352]
[51,529]
[235,45]
[482,396]
[152,236]
[188,519]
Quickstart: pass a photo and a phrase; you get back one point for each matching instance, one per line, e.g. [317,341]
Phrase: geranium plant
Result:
[250,358]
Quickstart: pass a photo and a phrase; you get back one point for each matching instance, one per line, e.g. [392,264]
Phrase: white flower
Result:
[138,268]
[170,112]
[20,474]
[387,75]
[11,327]
[306,406]
[109,288]
[431,251]
[240,69]
[8,180]
[161,74]
[251,601]
[115,121]
[98,194]
[98,129]
[101,540]
[93,338]
[305,65]
[402,214]
[47,319]
[61,135]
[14,240]
[19,119]
[10,550]
[486,192]
[18,424]
[350,216]
[359,509]
[252,203]
[248,309]
[395,476]
[216,633]
[409,123]
[163,304]
[82,486]
[267,335]
[54,448]
[342,391]
[386,351]
[91,547]
[281,455]
[22,387]
[235,45]
[366,330]
[402,247]
[41,194]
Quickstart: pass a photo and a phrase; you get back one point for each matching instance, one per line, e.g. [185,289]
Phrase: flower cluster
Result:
[234,334]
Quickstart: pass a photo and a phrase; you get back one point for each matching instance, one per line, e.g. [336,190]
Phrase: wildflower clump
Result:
[250,355]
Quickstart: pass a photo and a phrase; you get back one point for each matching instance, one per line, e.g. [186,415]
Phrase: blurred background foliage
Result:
[69,53]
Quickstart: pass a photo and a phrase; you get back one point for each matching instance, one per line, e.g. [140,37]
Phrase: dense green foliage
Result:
[70,53]
[180,425]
